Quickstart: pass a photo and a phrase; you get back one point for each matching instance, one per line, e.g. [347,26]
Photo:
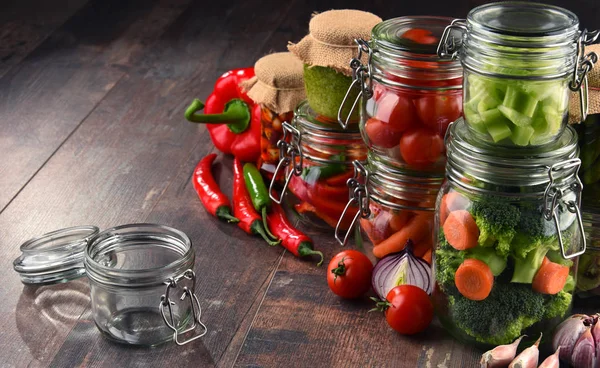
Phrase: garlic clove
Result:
[528,357]
[552,361]
[567,334]
[501,355]
[584,351]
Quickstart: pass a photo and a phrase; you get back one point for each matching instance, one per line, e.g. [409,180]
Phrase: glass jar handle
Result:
[361,78]
[553,195]
[165,301]
[288,152]
[448,48]
[358,193]
[585,63]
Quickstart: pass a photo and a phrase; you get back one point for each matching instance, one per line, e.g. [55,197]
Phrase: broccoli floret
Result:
[530,234]
[447,261]
[526,268]
[489,256]
[497,222]
[502,316]
[558,305]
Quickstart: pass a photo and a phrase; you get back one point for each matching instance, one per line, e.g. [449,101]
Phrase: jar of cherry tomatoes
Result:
[520,60]
[409,95]
[317,161]
[393,208]
[509,232]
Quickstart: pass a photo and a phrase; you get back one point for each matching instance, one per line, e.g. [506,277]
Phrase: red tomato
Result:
[410,310]
[438,111]
[421,146]
[380,133]
[396,110]
[349,274]
[421,36]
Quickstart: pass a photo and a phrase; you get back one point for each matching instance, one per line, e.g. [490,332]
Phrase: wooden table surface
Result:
[92,94]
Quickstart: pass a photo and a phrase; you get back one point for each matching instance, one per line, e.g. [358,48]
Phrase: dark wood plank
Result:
[150,141]
[79,68]
[43,100]
[22,30]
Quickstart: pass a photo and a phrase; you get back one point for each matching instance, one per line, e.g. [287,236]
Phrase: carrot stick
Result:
[427,256]
[461,230]
[474,279]
[451,201]
[422,247]
[550,278]
[417,229]
[399,219]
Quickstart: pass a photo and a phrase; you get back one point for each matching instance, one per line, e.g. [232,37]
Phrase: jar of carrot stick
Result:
[394,208]
[509,232]
[316,158]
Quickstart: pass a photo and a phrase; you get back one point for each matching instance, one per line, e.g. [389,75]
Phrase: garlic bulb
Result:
[579,340]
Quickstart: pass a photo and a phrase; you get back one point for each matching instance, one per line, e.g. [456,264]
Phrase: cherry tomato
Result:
[410,311]
[396,110]
[438,111]
[421,36]
[421,146]
[349,274]
[380,133]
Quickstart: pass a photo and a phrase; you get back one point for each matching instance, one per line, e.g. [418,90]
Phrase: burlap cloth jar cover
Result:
[589,138]
[326,53]
[278,87]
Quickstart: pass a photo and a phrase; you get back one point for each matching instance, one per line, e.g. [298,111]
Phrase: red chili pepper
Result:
[250,220]
[292,239]
[208,191]
[233,118]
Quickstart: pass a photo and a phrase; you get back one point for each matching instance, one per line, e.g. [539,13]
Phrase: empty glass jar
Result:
[141,279]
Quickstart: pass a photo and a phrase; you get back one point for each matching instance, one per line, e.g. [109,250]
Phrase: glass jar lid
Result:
[54,257]
[406,48]
[474,163]
[524,19]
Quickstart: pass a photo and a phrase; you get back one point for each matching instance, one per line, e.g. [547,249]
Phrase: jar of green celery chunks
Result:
[520,60]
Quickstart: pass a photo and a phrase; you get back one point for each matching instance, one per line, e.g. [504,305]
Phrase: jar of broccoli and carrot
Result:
[317,158]
[509,233]
[520,61]
[393,208]
[408,94]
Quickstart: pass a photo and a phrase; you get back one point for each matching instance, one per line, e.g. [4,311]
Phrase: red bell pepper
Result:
[232,117]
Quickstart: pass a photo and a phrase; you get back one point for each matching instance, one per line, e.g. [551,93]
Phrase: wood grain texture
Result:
[45,99]
[22,30]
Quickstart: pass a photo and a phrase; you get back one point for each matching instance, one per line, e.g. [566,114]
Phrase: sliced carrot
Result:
[399,219]
[451,201]
[423,247]
[474,279]
[417,229]
[461,230]
[550,278]
[427,256]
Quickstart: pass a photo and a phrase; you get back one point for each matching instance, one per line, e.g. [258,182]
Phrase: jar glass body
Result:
[414,95]
[519,59]
[397,201]
[129,268]
[588,272]
[319,194]
[271,132]
[511,218]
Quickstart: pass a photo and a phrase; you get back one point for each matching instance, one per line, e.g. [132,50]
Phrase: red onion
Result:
[402,268]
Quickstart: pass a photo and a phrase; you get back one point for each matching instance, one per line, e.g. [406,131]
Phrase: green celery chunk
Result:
[497,125]
[474,120]
[519,101]
[521,135]
[514,116]
[487,103]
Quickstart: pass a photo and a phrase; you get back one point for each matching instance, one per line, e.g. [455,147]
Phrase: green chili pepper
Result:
[258,193]
[327,170]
